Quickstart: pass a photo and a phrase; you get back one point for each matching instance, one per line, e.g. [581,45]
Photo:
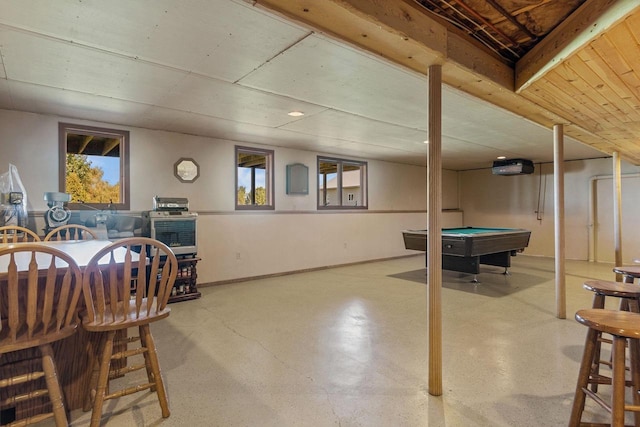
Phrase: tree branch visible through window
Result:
[94,166]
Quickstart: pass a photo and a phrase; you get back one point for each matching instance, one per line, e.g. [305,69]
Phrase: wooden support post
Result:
[617,211]
[434,234]
[558,181]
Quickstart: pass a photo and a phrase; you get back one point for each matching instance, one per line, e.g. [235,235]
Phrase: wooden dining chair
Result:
[71,232]
[121,292]
[38,297]
[17,234]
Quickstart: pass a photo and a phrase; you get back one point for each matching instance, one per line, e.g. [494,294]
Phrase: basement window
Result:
[94,166]
[254,179]
[342,184]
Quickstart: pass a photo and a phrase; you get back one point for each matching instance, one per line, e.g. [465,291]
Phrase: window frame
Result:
[123,136]
[269,178]
[364,183]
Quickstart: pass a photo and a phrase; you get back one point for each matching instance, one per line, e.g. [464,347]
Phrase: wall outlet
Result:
[237,255]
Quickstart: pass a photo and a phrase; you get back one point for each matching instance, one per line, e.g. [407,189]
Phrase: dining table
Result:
[73,355]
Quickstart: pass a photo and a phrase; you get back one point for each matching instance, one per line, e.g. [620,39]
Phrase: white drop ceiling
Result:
[225,69]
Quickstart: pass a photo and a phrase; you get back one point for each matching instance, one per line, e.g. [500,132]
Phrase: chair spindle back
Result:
[17,234]
[136,272]
[39,294]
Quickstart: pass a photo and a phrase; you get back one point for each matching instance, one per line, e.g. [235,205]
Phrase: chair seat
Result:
[24,342]
[619,323]
[126,320]
[613,289]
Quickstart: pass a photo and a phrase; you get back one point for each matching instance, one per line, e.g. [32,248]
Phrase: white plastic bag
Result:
[13,199]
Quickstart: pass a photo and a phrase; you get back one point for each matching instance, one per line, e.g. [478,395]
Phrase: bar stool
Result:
[623,326]
[629,295]
[629,272]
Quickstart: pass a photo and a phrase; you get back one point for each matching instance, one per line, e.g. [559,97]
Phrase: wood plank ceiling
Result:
[573,62]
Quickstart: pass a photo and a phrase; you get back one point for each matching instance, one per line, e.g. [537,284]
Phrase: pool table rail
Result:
[465,248]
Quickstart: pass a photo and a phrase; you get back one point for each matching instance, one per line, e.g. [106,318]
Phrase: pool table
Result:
[465,248]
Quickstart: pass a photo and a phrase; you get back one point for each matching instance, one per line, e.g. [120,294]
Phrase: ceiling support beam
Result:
[434,229]
[558,218]
[398,30]
[85,141]
[110,145]
[587,23]
[617,211]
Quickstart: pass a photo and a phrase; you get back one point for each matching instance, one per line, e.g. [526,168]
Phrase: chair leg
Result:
[583,378]
[634,350]
[95,370]
[618,381]
[147,362]
[103,378]
[155,369]
[598,302]
[53,385]
[595,363]
[624,304]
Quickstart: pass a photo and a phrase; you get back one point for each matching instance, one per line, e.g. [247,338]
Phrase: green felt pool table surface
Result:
[476,230]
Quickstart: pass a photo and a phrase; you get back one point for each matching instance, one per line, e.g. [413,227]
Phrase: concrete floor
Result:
[348,347]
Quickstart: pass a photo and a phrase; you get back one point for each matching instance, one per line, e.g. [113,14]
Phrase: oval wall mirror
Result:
[186,170]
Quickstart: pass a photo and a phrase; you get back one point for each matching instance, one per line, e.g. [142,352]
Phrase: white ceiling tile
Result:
[179,121]
[46,62]
[218,38]
[221,99]
[47,100]
[321,71]
[3,75]
[376,152]
[340,125]
[5,96]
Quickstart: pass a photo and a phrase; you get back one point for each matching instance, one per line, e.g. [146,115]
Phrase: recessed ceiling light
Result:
[502,157]
[295,113]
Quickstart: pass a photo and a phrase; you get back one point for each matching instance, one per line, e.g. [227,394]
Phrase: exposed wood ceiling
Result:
[509,28]
[232,69]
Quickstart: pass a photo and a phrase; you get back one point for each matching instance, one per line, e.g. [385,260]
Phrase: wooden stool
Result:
[629,273]
[629,295]
[623,326]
